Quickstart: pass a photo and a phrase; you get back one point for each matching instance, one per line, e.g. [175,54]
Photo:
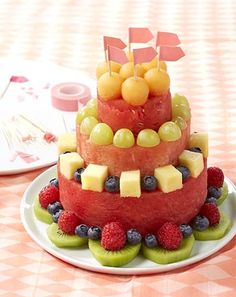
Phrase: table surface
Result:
[69,33]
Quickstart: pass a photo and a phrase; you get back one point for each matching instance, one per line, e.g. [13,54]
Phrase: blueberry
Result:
[214,192]
[54,182]
[82,230]
[200,223]
[54,207]
[94,232]
[133,236]
[186,230]
[77,174]
[211,200]
[150,240]
[195,149]
[56,215]
[185,172]
[149,183]
[112,184]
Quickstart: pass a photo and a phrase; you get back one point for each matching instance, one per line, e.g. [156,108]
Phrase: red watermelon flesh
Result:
[146,213]
[119,114]
[136,157]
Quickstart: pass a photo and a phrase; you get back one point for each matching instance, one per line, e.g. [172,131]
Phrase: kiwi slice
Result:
[224,194]
[160,255]
[215,232]
[113,258]
[63,240]
[41,213]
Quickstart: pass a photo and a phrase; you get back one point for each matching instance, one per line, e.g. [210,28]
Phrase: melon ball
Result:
[158,81]
[127,70]
[153,64]
[109,86]
[103,67]
[135,91]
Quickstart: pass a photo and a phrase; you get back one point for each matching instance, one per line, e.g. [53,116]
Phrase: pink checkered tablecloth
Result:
[69,33]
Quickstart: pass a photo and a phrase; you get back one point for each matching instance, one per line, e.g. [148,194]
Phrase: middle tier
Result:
[136,157]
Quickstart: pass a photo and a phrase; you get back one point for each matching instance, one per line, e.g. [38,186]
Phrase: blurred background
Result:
[70,32]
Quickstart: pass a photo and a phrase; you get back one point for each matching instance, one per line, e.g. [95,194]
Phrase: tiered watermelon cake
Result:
[136,178]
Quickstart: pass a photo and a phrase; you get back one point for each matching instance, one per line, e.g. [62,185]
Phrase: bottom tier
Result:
[146,213]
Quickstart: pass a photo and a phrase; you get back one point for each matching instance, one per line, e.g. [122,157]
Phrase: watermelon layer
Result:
[136,157]
[146,213]
[119,114]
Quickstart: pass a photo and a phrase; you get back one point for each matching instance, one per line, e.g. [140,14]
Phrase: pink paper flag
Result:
[170,53]
[140,35]
[117,55]
[144,55]
[113,41]
[18,79]
[167,38]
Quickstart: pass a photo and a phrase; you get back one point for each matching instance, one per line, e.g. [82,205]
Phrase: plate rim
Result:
[115,270]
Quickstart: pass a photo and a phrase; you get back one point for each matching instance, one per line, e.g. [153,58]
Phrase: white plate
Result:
[33,98]
[83,258]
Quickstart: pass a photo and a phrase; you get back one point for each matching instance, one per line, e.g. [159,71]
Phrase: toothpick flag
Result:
[113,41]
[170,53]
[116,55]
[167,38]
[144,55]
[140,35]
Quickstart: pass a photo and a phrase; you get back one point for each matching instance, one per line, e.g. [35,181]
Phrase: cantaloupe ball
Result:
[158,81]
[135,91]
[130,56]
[127,70]
[109,86]
[154,64]
[103,68]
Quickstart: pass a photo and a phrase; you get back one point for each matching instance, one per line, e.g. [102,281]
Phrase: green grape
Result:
[179,99]
[180,122]
[169,131]
[180,110]
[101,134]
[85,112]
[148,138]
[124,138]
[92,103]
[88,124]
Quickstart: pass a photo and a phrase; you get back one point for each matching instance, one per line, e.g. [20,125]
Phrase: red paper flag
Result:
[113,41]
[167,38]
[117,55]
[144,55]
[140,35]
[170,53]
[19,79]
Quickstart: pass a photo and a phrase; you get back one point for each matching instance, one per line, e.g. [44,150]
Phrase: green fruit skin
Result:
[215,232]
[63,240]
[224,194]
[41,213]
[162,256]
[113,258]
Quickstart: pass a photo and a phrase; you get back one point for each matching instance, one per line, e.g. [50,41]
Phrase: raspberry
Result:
[113,237]
[211,211]
[215,177]
[68,221]
[169,236]
[48,195]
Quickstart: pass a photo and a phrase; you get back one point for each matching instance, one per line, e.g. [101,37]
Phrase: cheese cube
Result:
[93,177]
[199,140]
[169,178]
[66,142]
[193,161]
[130,184]
[69,163]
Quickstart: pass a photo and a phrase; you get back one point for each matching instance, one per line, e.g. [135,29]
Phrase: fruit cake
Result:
[134,178]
